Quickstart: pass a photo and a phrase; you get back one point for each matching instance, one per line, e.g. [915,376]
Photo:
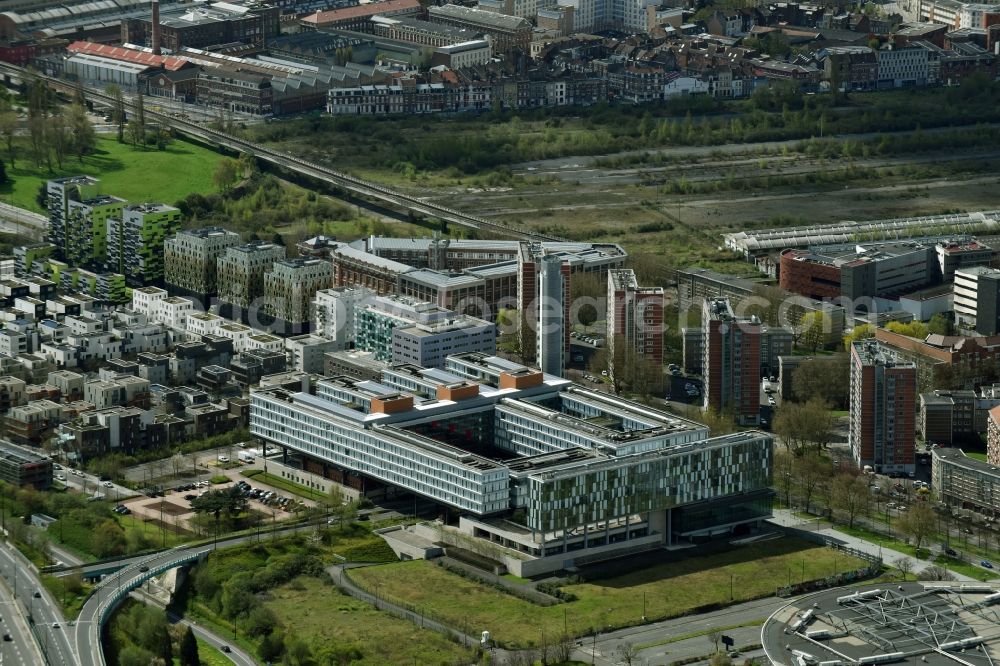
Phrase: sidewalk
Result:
[786,518]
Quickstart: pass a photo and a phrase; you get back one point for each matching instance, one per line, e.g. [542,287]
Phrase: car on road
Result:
[951,552]
[77,472]
[55,625]
[60,477]
[7,638]
[37,594]
[225,648]
[143,568]
[986,564]
[108,484]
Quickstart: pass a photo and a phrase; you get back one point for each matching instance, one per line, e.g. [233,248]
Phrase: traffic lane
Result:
[21,648]
[42,609]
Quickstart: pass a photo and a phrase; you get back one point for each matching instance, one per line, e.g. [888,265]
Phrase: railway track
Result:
[344,181]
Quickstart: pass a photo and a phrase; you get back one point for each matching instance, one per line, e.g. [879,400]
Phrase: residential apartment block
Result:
[289,288]
[78,215]
[882,409]
[634,316]
[190,260]
[731,362]
[240,273]
[135,242]
[964,482]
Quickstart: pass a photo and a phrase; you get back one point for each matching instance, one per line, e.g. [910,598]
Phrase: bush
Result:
[219,478]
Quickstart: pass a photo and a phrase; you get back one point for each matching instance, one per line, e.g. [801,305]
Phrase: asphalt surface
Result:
[603,650]
[43,610]
[88,484]
[235,654]
[114,587]
[21,648]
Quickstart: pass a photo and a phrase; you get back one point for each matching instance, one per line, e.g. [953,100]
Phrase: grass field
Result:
[135,175]
[284,484]
[668,589]
[326,618]
[160,538]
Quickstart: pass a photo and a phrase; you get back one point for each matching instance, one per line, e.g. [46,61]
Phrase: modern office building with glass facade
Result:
[552,473]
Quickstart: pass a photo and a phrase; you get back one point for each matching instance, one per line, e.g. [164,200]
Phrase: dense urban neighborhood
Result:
[499,332]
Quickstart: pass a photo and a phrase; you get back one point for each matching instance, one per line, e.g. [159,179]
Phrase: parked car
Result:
[950,552]
[108,484]
[986,563]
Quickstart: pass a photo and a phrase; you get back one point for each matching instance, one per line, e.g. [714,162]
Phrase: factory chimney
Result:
[155,20]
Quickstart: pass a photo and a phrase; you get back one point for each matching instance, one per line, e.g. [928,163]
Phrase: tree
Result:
[189,649]
[248,166]
[913,329]
[627,652]
[937,573]
[8,129]
[858,333]
[850,495]
[81,131]
[216,502]
[271,646]
[108,539]
[813,327]
[719,423]
[117,109]
[904,565]
[224,174]
[824,378]
[918,523]
[60,136]
[801,424]
[720,659]
[811,470]
[940,324]
[783,470]
[588,286]
[714,636]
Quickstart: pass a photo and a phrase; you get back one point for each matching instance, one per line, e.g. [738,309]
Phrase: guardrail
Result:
[113,599]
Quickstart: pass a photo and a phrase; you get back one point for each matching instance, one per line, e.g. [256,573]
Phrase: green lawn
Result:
[284,484]
[136,175]
[152,533]
[328,619]
[669,589]
[976,455]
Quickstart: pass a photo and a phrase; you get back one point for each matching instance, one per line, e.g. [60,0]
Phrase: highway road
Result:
[21,648]
[49,622]
[115,587]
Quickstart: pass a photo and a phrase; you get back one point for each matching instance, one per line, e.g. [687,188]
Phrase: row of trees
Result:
[55,132]
[812,482]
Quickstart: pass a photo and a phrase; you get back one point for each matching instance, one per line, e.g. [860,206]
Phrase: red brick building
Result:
[731,366]
[883,414]
[804,273]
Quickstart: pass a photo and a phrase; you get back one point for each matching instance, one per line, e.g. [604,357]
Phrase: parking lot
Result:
[173,507]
